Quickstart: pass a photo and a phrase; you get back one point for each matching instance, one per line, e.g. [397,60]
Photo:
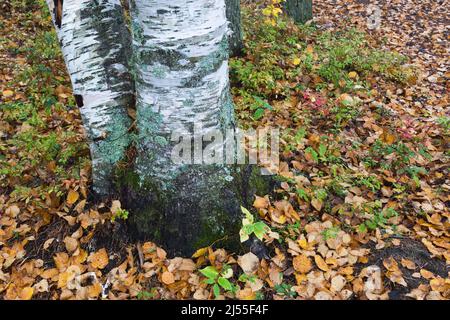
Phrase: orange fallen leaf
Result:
[72,197]
[26,293]
[302,264]
[99,260]
[167,277]
[8,93]
[260,203]
[321,263]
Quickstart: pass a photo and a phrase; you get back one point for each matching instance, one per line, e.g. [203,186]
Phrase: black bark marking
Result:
[58,12]
[79,100]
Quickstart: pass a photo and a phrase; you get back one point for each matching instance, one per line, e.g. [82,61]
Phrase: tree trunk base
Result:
[202,208]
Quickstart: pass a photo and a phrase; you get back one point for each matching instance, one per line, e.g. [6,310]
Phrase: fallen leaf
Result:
[72,197]
[321,263]
[302,264]
[26,293]
[337,283]
[408,264]
[7,93]
[248,262]
[99,260]
[167,277]
[71,244]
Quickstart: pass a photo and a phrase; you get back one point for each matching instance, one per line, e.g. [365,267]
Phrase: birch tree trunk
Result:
[180,68]
[299,10]
[235,35]
[181,62]
[95,42]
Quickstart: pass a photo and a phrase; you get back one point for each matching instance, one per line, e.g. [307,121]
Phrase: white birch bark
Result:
[94,41]
[181,62]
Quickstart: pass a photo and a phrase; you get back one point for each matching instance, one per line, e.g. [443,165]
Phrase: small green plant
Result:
[146,295]
[330,233]
[302,194]
[321,194]
[259,107]
[249,226]
[285,289]
[414,172]
[379,219]
[219,279]
[444,122]
[121,214]
[370,182]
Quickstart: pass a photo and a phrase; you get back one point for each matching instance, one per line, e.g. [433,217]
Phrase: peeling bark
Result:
[94,41]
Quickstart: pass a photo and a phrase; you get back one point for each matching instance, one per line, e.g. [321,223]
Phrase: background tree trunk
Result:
[94,41]
[235,37]
[299,10]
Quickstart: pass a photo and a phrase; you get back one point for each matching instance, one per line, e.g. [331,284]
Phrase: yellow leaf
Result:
[72,197]
[388,138]
[320,263]
[26,293]
[426,274]
[260,203]
[352,75]
[94,290]
[8,93]
[200,252]
[296,61]
[63,279]
[246,294]
[99,260]
[302,264]
[303,243]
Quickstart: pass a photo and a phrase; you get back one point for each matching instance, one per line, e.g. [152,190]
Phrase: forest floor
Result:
[363,209]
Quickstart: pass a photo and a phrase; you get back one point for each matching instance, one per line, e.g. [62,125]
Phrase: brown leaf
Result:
[248,262]
[71,244]
[408,264]
[317,204]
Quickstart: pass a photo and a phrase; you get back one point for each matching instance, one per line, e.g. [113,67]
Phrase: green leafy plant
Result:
[249,227]
[121,214]
[330,233]
[218,279]
[146,295]
[379,219]
[259,107]
[285,289]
